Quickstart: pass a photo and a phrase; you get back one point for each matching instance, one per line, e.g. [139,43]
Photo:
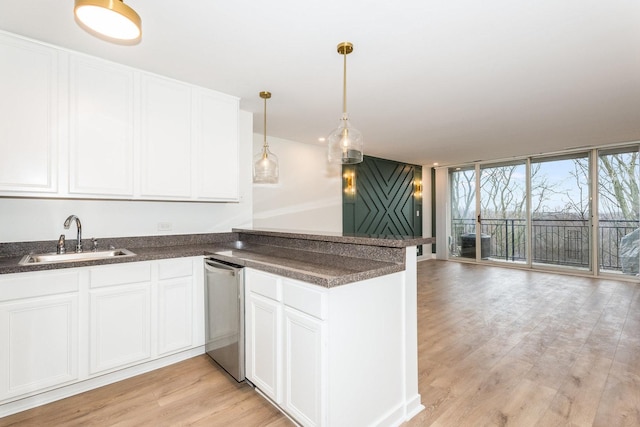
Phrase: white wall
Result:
[442,207]
[308,196]
[42,219]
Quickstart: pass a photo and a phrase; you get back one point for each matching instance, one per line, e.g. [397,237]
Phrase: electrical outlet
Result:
[164,226]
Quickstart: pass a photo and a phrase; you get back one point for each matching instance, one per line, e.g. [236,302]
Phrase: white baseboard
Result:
[425,257]
[414,407]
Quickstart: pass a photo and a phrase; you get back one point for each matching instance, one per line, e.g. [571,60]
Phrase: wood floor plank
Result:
[620,402]
[578,398]
[525,405]
[478,405]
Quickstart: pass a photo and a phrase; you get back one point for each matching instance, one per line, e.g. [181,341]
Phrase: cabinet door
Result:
[175,315]
[101,128]
[29,112]
[217,145]
[120,322]
[303,366]
[165,138]
[38,344]
[264,351]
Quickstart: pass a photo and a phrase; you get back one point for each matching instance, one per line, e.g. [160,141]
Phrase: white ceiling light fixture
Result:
[110,18]
[265,166]
[345,142]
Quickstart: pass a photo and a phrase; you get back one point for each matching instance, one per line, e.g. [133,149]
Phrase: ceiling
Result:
[446,82]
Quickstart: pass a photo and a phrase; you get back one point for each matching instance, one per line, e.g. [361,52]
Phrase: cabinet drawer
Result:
[306,298]
[28,285]
[111,275]
[264,284]
[179,267]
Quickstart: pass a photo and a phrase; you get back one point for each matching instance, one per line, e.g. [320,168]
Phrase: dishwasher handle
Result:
[219,268]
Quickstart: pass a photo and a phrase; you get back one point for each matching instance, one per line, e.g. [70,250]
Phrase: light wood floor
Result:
[497,347]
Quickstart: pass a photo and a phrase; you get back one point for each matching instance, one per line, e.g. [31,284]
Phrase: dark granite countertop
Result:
[326,270]
[391,241]
[328,260]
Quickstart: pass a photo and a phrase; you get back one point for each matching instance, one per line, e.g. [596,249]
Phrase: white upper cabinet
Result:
[80,127]
[216,156]
[165,138]
[101,128]
[29,111]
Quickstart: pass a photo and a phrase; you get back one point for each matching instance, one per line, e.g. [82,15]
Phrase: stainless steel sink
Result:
[52,257]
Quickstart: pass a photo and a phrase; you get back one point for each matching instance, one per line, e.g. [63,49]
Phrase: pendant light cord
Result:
[265,123]
[344,85]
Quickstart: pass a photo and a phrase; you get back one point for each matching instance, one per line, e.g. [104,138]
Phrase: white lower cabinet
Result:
[303,351]
[175,316]
[60,327]
[39,343]
[120,326]
[331,356]
[286,340]
[38,332]
[263,347]
[120,315]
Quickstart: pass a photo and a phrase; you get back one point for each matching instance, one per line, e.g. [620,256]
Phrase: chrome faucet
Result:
[67,223]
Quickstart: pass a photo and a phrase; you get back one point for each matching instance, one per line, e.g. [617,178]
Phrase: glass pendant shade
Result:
[111,18]
[345,143]
[265,163]
[265,167]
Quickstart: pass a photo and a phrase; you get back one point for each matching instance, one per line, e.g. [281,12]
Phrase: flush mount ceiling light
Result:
[345,142]
[111,18]
[265,166]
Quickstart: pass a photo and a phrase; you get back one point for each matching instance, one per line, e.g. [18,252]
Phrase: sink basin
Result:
[53,257]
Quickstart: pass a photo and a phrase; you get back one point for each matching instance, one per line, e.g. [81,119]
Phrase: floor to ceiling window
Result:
[462,189]
[541,211]
[503,212]
[561,212]
[618,210]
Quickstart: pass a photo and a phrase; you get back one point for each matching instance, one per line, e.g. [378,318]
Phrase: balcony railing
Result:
[555,241]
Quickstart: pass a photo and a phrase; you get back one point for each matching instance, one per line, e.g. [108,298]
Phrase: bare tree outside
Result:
[463,206]
[561,220]
[560,210]
[463,193]
[554,202]
[503,201]
[503,205]
[619,211]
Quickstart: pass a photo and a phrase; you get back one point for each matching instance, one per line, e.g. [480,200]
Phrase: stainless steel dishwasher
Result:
[224,312]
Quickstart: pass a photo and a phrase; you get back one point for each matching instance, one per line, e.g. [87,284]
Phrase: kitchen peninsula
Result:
[343,349]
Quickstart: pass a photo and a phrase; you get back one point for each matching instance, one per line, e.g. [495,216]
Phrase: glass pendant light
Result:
[345,142]
[265,166]
[111,18]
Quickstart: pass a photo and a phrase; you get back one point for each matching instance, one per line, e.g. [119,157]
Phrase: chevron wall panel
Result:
[384,202]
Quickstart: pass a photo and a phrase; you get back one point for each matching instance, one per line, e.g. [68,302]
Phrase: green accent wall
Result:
[385,201]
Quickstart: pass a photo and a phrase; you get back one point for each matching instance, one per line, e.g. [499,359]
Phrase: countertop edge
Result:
[317,279]
[390,241]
